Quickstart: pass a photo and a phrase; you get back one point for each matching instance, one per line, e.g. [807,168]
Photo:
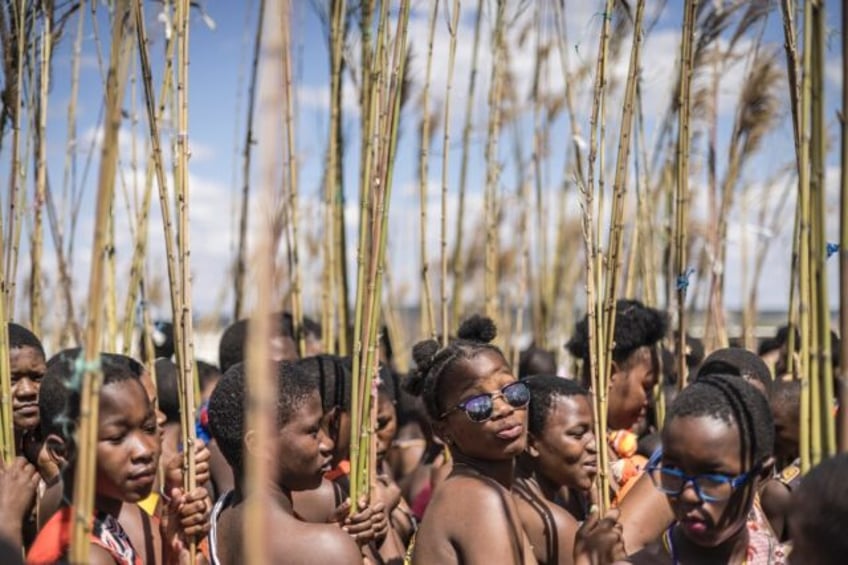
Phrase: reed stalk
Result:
[7,425]
[84,480]
[330,298]
[18,171]
[682,184]
[240,267]
[493,167]
[261,383]
[65,282]
[457,263]
[790,44]
[453,23]
[37,247]
[805,272]
[141,229]
[292,185]
[428,317]
[539,306]
[842,433]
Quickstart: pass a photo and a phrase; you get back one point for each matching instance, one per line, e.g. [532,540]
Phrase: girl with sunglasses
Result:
[479,409]
[717,447]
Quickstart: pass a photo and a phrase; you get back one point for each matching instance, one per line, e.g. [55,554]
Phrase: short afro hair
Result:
[734,401]
[433,362]
[167,389]
[59,395]
[19,337]
[738,362]
[636,326]
[229,400]
[544,390]
[820,508]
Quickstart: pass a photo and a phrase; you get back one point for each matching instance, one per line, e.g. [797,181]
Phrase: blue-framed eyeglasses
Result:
[710,487]
[480,407]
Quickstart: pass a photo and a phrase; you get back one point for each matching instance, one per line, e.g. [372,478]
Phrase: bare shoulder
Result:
[316,505]
[315,543]
[538,517]
[469,520]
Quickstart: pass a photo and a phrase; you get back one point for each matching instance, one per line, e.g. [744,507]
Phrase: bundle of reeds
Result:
[387,74]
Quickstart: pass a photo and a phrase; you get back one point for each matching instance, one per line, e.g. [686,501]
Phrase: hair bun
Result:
[478,328]
[423,354]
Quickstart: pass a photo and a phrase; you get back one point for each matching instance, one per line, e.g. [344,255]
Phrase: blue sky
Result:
[217,107]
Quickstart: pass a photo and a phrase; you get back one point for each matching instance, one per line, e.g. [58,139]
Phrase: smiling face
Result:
[566,452]
[27,368]
[304,449]
[501,437]
[630,389]
[127,442]
[697,445]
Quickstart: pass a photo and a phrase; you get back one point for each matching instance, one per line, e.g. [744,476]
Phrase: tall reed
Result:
[491,205]
[17,170]
[291,188]
[84,478]
[457,262]
[842,433]
[453,23]
[240,267]
[37,246]
[805,267]
[428,321]
[681,215]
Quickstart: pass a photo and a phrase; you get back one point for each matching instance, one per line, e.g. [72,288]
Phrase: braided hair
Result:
[734,401]
[433,362]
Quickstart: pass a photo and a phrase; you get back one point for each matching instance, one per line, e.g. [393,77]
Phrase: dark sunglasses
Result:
[479,408]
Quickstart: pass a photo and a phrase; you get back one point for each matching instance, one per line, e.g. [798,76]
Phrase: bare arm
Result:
[644,515]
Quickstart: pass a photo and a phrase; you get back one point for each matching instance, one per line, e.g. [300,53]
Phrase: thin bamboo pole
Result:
[842,433]
[329,299]
[240,267]
[428,317]
[261,384]
[490,287]
[141,230]
[790,44]
[92,378]
[7,424]
[37,247]
[682,185]
[17,171]
[292,185]
[453,23]
[457,264]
